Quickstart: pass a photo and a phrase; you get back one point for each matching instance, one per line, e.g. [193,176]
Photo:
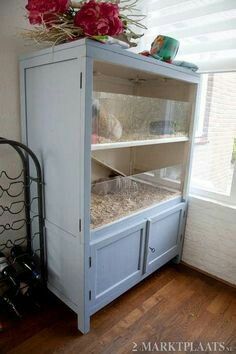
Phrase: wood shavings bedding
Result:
[112,206]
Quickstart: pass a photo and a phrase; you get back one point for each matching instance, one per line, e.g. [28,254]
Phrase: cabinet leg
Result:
[83,324]
[177,259]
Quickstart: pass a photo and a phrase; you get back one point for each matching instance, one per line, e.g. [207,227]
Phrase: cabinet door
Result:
[117,264]
[163,237]
[53,133]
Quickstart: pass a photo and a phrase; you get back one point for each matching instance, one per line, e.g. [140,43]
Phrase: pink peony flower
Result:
[116,26]
[109,10]
[45,10]
[99,18]
[103,26]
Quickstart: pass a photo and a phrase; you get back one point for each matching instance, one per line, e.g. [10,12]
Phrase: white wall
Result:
[12,22]
[210,242]
[210,239]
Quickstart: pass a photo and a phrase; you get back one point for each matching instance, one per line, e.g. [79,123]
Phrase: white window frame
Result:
[202,192]
[216,196]
[201,112]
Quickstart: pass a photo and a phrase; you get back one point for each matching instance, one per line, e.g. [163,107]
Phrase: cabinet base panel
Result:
[64,299]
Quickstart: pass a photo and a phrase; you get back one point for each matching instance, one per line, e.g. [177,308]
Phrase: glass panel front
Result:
[124,118]
[112,199]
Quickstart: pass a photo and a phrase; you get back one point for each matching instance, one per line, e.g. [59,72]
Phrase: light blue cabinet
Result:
[163,237]
[117,264]
[88,268]
[129,254]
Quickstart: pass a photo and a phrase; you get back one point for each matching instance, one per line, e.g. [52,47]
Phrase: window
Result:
[202,128]
[214,166]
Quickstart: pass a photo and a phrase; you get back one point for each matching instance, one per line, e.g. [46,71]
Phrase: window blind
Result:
[206,30]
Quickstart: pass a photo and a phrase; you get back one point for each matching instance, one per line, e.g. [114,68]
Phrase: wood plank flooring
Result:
[174,304]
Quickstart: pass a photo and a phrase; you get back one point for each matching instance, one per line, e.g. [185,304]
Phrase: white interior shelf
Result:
[123,144]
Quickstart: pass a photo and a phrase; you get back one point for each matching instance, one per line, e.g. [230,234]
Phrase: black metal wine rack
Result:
[20,199]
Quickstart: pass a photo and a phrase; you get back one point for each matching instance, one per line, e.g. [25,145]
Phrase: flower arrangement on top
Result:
[60,21]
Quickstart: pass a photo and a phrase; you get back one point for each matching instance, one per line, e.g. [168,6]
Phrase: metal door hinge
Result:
[80,225]
[90,295]
[90,262]
[81,80]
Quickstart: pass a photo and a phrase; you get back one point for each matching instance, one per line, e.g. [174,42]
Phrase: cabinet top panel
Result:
[111,54]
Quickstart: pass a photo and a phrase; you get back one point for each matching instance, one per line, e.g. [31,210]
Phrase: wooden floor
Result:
[174,304]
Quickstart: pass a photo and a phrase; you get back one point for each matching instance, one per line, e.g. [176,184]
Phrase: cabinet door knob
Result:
[152,249]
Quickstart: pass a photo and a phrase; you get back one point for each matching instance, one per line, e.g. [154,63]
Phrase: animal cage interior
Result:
[129,118]
[137,106]
[118,196]
[140,137]
[128,180]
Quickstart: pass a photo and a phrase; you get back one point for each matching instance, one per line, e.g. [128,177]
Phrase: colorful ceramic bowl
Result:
[164,48]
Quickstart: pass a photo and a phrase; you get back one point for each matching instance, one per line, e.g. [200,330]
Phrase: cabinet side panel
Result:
[62,258]
[52,110]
